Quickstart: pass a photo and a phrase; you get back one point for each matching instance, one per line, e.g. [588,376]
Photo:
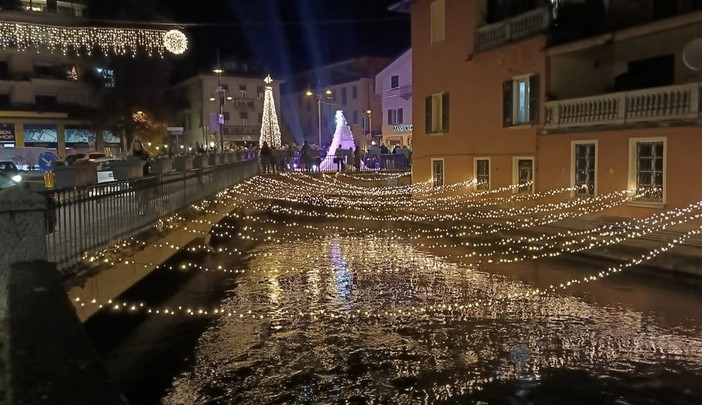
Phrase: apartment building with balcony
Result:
[477,89]
[45,99]
[198,109]
[623,112]
[348,86]
[551,94]
[394,86]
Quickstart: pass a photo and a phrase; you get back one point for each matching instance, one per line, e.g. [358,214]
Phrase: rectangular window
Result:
[200,115]
[437,113]
[523,174]
[437,21]
[242,91]
[482,174]
[225,87]
[584,169]
[4,100]
[226,116]
[259,91]
[394,82]
[520,101]
[45,101]
[354,92]
[260,118]
[649,170]
[395,117]
[437,172]
[355,117]
[343,96]
[4,71]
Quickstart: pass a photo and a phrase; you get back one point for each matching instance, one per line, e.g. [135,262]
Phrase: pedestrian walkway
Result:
[684,259]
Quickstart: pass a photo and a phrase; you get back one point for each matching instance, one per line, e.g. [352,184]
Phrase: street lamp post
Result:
[220,94]
[319,111]
[370,122]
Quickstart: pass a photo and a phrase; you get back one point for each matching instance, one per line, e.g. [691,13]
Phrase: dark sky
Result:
[285,35]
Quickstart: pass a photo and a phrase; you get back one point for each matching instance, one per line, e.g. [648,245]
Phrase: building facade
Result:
[510,93]
[394,86]
[314,96]
[632,119]
[476,94]
[198,104]
[45,99]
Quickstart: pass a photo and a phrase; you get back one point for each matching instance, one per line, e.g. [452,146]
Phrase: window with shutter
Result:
[520,101]
[427,114]
[533,99]
[507,98]
[437,21]
[445,113]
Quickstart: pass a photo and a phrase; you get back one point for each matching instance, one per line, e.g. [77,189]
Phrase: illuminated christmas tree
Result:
[270,130]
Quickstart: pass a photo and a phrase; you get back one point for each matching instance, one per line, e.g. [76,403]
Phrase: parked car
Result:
[101,159]
[10,169]
[7,181]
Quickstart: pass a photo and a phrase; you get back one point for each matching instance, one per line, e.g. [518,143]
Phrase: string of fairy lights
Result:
[389,244]
[120,41]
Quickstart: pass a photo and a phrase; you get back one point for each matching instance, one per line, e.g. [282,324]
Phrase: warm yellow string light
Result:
[119,41]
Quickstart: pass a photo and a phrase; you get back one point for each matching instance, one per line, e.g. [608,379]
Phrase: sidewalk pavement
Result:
[683,260]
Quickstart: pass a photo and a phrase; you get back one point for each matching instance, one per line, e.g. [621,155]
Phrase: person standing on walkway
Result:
[142,188]
[266,155]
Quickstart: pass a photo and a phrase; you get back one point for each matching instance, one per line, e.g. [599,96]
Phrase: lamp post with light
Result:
[222,96]
[370,122]
[319,96]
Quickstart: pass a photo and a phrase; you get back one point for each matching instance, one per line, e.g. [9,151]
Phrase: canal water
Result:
[328,315]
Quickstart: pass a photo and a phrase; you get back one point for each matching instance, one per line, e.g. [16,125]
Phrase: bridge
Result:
[50,249]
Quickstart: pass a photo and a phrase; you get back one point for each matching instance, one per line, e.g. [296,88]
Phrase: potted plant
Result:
[127,169]
[161,165]
[200,161]
[182,163]
[78,175]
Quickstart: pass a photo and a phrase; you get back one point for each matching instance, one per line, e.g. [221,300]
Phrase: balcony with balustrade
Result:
[648,107]
[512,29]
[404,92]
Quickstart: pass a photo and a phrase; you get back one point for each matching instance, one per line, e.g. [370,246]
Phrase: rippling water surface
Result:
[360,318]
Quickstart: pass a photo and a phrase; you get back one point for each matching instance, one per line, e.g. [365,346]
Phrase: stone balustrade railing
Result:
[403,91]
[521,26]
[681,102]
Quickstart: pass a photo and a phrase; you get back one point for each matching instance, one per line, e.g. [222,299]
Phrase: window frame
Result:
[573,162]
[633,170]
[510,101]
[440,115]
[515,173]
[489,174]
[394,85]
[443,172]
[437,34]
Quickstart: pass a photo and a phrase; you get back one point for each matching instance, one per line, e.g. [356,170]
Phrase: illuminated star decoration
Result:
[118,41]
[270,130]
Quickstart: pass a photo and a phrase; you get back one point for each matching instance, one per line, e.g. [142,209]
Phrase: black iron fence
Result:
[86,219]
[336,163]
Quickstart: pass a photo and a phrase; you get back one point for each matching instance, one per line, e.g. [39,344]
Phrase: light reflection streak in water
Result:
[408,359]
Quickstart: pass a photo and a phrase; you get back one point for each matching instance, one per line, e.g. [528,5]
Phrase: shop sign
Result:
[7,133]
[402,128]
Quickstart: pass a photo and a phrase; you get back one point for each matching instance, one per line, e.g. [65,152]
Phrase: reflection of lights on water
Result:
[344,281]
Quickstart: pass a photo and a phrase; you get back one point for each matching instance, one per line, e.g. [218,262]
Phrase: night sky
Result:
[285,35]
